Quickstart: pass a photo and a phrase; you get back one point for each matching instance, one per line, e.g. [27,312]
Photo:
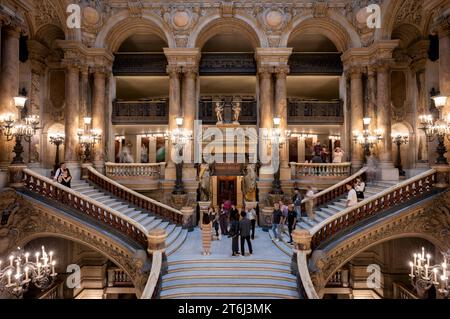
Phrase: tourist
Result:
[214,216]
[360,187]
[276,218]
[63,175]
[292,220]
[372,169]
[324,154]
[244,227]
[251,215]
[282,224]
[223,221]
[234,212]
[352,198]
[234,234]
[309,205]
[297,200]
[206,234]
[338,154]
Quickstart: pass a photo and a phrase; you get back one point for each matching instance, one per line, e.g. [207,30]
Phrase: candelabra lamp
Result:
[277,139]
[179,138]
[424,275]
[399,140]
[367,139]
[87,139]
[23,270]
[57,140]
[437,128]
[22,128]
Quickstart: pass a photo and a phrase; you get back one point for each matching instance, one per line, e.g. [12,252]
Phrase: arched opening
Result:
[315,110]
[382,271]
[82,272]
[140,106]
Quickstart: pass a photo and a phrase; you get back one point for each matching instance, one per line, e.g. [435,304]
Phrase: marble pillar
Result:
[372,98]
[384,122]
[357,113]
[9,85]
[71,115]
[281,110]
[84,87]
[265,99]
[98,117]
[174,112]
[37,70]
[189,103]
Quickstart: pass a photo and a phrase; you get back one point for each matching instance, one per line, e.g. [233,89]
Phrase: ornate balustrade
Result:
[137,176]
[139,64]
[321,170]
[154,111]
[391,197]
[248,113]
[55,292]
[227,64]
[118,278]
[315,64]
[401,292]
[312,112]
[336,190]
[47,188]
[135,198]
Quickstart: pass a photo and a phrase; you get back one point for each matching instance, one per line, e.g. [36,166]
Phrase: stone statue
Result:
[205,177]
[250,182]
[236,112]
[219,112]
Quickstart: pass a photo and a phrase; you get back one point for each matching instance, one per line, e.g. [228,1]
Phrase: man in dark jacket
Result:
[245,227]
[234,234]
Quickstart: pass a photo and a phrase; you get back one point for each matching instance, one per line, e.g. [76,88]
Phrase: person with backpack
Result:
[245,227]
[276,218]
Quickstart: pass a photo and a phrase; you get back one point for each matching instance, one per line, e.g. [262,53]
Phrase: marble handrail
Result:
[50,189]
[401,292]
[397,194]
[308,286]
[321,169]
[153,170]
[135,198]
[154,278]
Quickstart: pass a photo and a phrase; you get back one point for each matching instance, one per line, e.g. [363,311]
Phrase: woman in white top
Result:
[360,186]
[251,215]
[338,154]
[352,199]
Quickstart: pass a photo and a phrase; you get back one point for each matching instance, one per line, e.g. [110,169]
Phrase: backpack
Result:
[298,200]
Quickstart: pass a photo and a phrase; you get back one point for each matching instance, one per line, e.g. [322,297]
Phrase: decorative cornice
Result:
[184,58]
[272,58]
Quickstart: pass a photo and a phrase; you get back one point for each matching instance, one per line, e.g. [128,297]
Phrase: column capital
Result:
[190,71]
[173,70]
[185,58]
[265,72]
[281,71]
[98,70]
[272,58]
[383,66]
[84,70]
[355,72]
[371,70]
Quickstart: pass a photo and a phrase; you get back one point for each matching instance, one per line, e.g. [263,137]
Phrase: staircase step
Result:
[323,214]
[186,281]
[243,292]
[173,235]
[153,224]
[147,220]
[336,208]
[177,243]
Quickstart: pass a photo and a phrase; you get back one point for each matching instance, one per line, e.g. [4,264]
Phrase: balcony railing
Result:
[141,112]
[312,112]
[153,171]
[248,113]
[321,169]
[401,292]
[118,278]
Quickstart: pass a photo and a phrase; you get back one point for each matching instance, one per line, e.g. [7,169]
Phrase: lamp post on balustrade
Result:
[399,140]
[367,139]
[57,140]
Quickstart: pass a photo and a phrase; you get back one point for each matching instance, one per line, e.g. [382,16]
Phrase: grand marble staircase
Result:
[175,234]
[329,209]
[265,274]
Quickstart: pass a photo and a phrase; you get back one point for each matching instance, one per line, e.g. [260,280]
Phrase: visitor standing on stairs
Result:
[309,205]
[360,187]
[251,215]
[223,221]
[214,217]
[352,198]
[206,234]
[234,234]
[291,220]
[244,229]
[297,200]
[276,218]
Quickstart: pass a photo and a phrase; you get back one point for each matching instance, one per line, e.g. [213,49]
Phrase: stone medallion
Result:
[274,19]
[181,19]
[91,15]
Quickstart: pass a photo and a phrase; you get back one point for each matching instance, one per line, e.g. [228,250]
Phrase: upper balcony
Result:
[152,111]
[315,112]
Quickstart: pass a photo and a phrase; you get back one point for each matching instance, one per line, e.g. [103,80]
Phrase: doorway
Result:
[226,189]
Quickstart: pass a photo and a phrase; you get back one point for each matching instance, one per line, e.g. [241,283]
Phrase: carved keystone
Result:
[156,240]
[302,240]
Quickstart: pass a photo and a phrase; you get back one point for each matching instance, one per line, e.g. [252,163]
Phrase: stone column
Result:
[9,84]
[372,105]
[84,87]
[174,112]
[71,115]
[98,116]
[357,113]
[189,103]
[443,29]
[265,99]
[281,109]
[384,111]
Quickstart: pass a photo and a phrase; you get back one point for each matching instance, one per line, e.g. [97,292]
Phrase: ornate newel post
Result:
[442,173]
[301,251]
[157,242]
[188,217]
